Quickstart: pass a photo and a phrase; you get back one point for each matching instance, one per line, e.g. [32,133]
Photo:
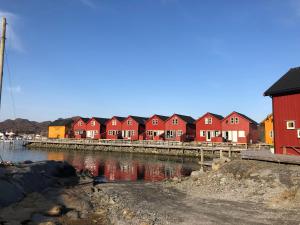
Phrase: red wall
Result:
[110,126]
[99,127]
[139,129]
[215,126]
[77,127]
[286,108]
[187,129]
[149,126]
[243,125]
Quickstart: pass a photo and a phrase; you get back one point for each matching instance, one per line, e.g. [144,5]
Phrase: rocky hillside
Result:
[24,126]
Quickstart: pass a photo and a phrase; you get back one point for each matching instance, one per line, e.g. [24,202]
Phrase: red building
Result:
[114,128]
[155,127]
[96,128]
[285,95]
[238,128]
[79,127]
[133,128]
[209,128]
[180,128]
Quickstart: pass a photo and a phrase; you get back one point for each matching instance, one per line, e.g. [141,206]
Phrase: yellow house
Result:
[268,129]
[60,128]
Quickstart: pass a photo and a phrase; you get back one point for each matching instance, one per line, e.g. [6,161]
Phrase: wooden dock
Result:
[265,155]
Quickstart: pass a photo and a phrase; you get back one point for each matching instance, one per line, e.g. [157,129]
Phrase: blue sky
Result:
[140,57]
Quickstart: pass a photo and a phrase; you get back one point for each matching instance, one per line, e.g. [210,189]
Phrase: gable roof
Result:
[100,120]
[244,116]
[163,118]
[213,114]
[187,119]
[141,120]
[268,116]
[61,122]
[289,83]
[83,119]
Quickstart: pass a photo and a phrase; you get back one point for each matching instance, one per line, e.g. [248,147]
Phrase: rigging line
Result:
[10,84]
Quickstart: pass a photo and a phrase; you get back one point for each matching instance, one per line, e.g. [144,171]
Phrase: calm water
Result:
[111,166]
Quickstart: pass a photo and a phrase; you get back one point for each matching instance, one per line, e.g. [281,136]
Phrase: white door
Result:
[234,136]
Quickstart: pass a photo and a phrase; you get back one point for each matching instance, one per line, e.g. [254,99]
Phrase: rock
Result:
[218,163]
[9,193]
[196,174]
[55,211]
[74,215]
[222,181]
[47,223]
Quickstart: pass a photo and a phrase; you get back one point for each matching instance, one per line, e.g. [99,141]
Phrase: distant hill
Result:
[24,126]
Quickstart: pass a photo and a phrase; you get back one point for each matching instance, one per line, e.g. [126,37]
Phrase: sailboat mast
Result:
[2,49]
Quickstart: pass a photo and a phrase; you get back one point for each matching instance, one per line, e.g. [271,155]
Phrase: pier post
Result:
[221,154]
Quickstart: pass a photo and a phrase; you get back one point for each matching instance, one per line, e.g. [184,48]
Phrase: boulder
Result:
[218,163]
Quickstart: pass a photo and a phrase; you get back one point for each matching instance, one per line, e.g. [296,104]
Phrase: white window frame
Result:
[179,133]
[298,133]
[114,122]
[217,133]
[241,133]
[93,123]
[155,122]
[175,121]
[236,120]
[232,120]
[80,123]
[287,125]
[202,133]
[271,134]
[129,122]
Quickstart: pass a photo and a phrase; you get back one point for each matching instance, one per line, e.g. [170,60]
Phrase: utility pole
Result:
[2,49]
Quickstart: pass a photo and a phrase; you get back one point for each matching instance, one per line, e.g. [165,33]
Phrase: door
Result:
[234,136]
[208,136]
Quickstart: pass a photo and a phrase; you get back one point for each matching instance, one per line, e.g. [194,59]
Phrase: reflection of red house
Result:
[114,128]
[209,128]
[78,162]
[96,128]
[285,95]
[239,128]
[133,128]
[111,170]
[155,127]
[128,171]
[154,172]
[180,128]
[79,127]
[92,165]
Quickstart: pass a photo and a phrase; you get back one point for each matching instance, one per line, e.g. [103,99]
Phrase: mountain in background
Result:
[24,126]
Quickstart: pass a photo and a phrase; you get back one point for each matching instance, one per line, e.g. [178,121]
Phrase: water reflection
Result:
[112,166]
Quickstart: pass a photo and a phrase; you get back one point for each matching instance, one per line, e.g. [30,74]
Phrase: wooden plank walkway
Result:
[266,155]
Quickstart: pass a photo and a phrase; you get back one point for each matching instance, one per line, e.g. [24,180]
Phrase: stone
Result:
[74,215]
[55,211]
[218,163]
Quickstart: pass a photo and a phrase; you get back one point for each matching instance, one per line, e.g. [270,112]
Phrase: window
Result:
[175,121]
[110,132]
[150,133]
[202,133]
[179,133]
[80,123]
[96,132]
[129,122]
[93,123]
[241,133]
[114,122]
[232,120]
[271,134]
[217,133]
[208,120]
[298,133]
[290,125]
[236,120]
[154,121]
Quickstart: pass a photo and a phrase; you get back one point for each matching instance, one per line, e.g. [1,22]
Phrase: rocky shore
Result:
[239,192]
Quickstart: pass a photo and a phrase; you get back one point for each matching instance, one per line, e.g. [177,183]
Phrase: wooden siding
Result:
[110,127]
[216,125]
[158,128]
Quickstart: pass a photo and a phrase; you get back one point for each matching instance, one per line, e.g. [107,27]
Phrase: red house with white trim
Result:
[180,128]
[209,128]
[79,128]
[114,128]
[155,127]
[96,128]
[238,128]
[133,128]
[285,94]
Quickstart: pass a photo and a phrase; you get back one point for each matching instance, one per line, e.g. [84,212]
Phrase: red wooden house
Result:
[238,128]
[155,127]
[209,128]
[133,128]
[114,128]
[285,95]
[79,127]
[96,128]
[180,128]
